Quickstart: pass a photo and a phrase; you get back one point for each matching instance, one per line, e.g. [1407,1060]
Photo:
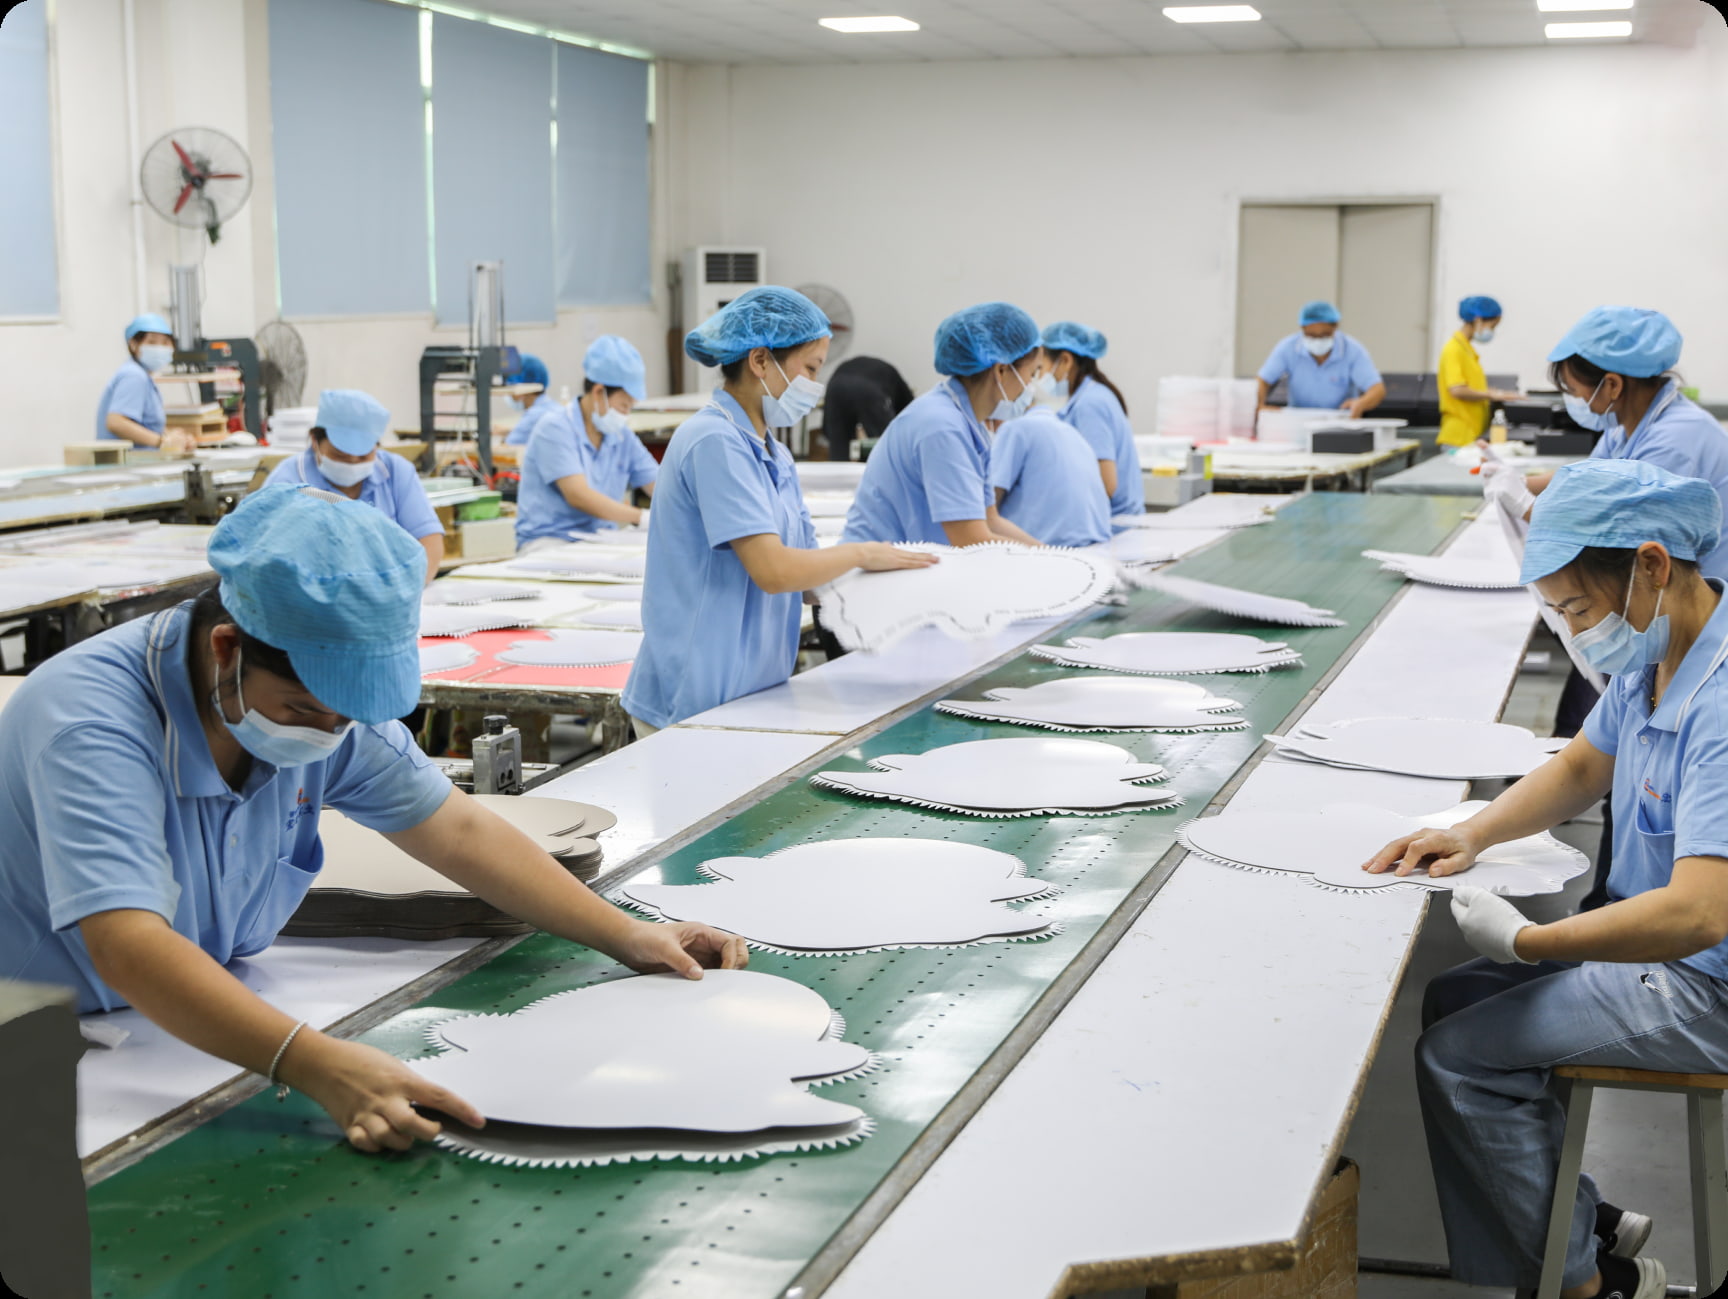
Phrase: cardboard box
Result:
[481,539]
[111,452]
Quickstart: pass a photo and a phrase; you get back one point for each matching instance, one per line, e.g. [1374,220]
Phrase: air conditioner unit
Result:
[712,278]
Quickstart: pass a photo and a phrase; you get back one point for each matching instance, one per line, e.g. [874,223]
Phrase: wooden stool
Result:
[1703,1092]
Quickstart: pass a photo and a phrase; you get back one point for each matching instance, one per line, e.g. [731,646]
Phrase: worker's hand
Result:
[1490,924]
[684,948]
[1504,394]
[1440,852]
[178,441]
[880,557]
[370,1093]
[1510,491]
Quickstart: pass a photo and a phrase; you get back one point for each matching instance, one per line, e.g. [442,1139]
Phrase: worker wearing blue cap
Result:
[344,456]
[1097,409]
[582,463]
[1618,548]
[929,477]
[731,546]
[531,370]
[1045,477]
[1466,400]
[1326,367]
[131,405]
[160,787]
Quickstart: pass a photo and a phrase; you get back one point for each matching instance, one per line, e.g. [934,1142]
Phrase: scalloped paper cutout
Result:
[574,648]
[617,613]
[446,656]
[1500,574]
[1439,748]
[1172,653]
[474,590]
[522,1145]
[1104,704]
[583,559]
[1236,602]
[466,619]
[625,591]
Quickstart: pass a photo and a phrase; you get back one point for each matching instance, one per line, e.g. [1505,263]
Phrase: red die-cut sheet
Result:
[488,668]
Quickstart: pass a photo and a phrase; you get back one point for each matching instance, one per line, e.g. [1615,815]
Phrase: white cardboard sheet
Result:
[1172,653]
[1104,704]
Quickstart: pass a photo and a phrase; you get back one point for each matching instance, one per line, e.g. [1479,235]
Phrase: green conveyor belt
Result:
[265,1201]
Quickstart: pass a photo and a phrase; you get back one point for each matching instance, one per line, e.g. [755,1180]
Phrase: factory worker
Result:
[1466,400]
[1327,368]
[929,477]
[581,463]
[864,395]
[162,784]
[1046,480]
[131,404]
[1619,548]
[1095,407]
[344,456]
[532,370]
[732,544]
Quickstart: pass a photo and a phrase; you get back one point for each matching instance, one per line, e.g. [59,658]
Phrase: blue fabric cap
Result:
[616,363]
[532,370]
[148,323]
[1066,336]
[1479,306]
[768,316]
[1620,504]
[991,333]
[334,584]
[1622,340]
[353,421]
[1318,312]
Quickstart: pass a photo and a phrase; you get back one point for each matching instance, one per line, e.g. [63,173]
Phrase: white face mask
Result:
[1006,409]
[271,741]
[611,422]
[155,356]
[1317,346]
[792,405]
[343,474]
[1485,334]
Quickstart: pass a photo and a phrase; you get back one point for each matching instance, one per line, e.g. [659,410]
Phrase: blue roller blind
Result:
[602,178]
[349,140]
[29,285]
[492,165]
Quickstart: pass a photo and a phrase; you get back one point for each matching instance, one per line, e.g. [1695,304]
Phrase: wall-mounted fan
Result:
[281,365]
[839,313]
[196,177]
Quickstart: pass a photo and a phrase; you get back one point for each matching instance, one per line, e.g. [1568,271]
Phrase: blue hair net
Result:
[1318,312]
[1066,336]
[769,316]
[1479,306]
[532,370]
[1622,340]
[148,323]
[1620,504]
[991,333]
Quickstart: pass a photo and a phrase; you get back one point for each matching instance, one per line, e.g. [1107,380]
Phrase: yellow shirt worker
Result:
[1466,400]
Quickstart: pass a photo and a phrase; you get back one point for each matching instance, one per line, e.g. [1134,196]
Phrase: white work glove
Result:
[1490,467]
[1508,491]
[1490,924]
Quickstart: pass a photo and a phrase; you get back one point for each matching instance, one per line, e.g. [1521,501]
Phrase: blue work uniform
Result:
[1051,477]
[394,488]
[561,447]
[1095,412]
[1347,371]
[712,634]
[1683,438]
[134,394]
[931,467]
[110,800]
[532,418]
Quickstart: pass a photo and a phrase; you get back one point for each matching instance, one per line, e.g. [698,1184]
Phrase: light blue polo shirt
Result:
[931,467]
[1095,412]
[1348,371]
[561,447]
[532,418]
[1684,438]
[394,488]
[110,800]
[1670,771]
[134,394]
[712,634]
[1051,477]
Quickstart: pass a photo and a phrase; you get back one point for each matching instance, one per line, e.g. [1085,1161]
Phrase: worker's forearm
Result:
[1661,925]
[1370,399]
[1570,782]
[434,547]
[1264,391]
[790,568]
[131,430]
[1107,471]
[1464,392]
[590,500]
[1003,530]
[968,532]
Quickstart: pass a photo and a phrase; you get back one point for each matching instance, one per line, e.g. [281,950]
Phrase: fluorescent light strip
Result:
[1213,14]
[854,26]
[529,29]
[1586,31]
[1579,6]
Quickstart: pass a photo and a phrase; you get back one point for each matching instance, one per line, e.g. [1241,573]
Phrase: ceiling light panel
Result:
[1580,6]
[1213,14]
[880,23]
[1586,31]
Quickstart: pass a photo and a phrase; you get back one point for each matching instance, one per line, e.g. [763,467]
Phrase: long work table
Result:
[1137,1042]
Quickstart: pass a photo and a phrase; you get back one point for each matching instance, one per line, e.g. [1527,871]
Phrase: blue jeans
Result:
[1493,1035]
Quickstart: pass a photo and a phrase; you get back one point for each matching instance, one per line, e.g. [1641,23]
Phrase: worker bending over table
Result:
[162,785]
[531,369]
[929,477]
[1098,410]
[864,395]
[1616,547]
[1327,369]
[131,408]
[732,544]
[1466,400]
[344,456]
[581,463]
[1046,480]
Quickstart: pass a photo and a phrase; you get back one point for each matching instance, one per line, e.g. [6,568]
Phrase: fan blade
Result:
[185,158]
[225,175]
[184,195]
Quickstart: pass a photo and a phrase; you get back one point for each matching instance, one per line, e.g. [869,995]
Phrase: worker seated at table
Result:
[1616,547]
[1046,480]
[162,784]
[344,456]
[1327,368]
[929,477]
[864,395]
[531,370]
[581,463]
[732,547]
[1097,408]
[131,406]
[1466,400]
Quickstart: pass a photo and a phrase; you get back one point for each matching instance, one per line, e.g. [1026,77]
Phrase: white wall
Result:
[1107,190]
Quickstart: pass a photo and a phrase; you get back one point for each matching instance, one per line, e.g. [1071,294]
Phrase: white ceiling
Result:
[785,31]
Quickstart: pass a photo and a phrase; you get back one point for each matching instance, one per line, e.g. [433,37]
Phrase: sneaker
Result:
[1622,1232]
[1631,1278]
